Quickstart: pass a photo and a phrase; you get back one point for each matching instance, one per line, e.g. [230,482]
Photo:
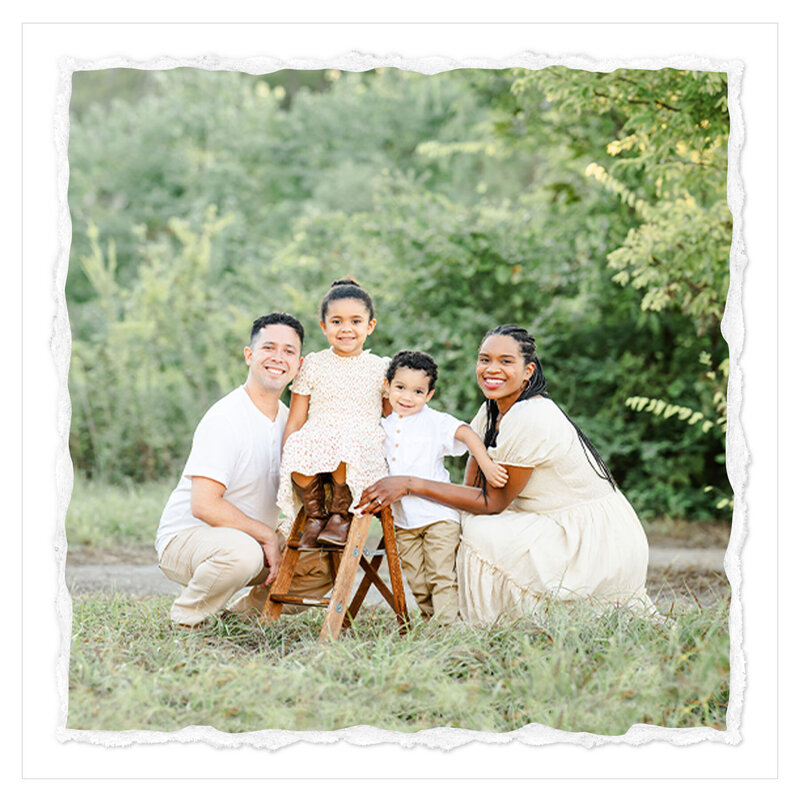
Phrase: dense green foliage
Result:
[589,207]
[573,669]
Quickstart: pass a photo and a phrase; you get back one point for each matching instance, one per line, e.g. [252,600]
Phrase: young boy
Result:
[417,440]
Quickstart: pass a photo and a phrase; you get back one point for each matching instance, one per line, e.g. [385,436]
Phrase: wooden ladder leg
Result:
[395,573]
[272,610]
[345,576]
[363,588]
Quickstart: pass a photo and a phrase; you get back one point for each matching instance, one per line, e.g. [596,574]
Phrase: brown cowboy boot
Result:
[313,499]
[335,531]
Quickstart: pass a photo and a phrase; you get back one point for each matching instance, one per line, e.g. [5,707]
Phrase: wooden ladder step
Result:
[322,548]
[300,600]
[344,562]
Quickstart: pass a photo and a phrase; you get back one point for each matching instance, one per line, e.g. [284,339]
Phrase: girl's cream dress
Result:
[343,425]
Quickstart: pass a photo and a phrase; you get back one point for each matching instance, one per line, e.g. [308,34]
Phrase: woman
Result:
[560,527]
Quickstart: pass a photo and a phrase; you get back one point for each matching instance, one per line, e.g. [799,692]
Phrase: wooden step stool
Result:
[344,565]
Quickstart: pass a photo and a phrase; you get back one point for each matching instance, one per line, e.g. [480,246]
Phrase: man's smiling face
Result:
[274,357]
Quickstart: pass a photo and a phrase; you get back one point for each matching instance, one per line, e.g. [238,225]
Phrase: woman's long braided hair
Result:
[537,385]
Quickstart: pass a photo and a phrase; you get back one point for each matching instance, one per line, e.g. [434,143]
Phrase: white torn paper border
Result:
[737,453]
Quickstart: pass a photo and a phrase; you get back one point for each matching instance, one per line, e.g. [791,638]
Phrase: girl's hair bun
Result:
[343,289]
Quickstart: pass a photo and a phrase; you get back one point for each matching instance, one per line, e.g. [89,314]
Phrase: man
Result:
[218,531]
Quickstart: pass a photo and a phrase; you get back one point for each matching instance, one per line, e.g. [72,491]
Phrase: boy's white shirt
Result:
[416,445]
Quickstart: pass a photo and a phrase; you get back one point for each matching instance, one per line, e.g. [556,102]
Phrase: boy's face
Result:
[408,391]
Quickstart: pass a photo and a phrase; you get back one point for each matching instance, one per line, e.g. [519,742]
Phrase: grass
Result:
[103,515]
[573,670]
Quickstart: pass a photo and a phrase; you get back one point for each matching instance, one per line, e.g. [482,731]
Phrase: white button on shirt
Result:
[416,445]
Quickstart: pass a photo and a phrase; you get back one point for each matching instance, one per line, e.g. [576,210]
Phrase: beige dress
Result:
[568,534]
[343,425]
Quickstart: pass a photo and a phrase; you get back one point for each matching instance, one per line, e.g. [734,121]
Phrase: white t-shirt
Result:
[416,445]
[238,446]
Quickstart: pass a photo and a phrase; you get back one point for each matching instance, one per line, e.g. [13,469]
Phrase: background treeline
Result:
[589,207]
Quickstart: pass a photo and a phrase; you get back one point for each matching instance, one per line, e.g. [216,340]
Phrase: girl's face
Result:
[347,325]
[501,371]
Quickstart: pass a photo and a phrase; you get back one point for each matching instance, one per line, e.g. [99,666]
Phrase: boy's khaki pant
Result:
[428,556]
[214,563]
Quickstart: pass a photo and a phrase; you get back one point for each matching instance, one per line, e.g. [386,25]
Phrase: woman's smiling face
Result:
[501,370]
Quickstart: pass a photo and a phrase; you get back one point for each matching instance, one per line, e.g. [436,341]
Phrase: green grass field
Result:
[104,515]
[573,669]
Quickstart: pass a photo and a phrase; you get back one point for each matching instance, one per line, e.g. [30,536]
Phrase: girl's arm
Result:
[495,474]
[466,498]
[298,414]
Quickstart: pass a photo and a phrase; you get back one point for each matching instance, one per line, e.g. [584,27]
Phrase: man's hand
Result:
[272,557]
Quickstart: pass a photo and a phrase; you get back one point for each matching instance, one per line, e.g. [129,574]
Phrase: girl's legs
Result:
[335,531]
[311,491]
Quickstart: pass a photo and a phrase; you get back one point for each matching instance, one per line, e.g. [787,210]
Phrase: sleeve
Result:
[381,365]
[213,454]
[478,423]
[525,438]
[304,380]
[448,425]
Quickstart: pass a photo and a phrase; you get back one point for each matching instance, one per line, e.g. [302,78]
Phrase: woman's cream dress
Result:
[568,535]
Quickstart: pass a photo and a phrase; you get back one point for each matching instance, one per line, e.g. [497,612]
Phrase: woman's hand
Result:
[383,493]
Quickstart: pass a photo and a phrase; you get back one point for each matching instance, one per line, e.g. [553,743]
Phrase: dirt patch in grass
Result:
[660,533]
[136,555]
[688,533]
[687,587]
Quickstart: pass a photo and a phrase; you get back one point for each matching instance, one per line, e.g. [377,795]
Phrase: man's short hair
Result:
[414,359]
[276,318]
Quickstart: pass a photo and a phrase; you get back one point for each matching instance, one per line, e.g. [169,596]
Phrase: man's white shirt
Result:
[416,445]
[238,446]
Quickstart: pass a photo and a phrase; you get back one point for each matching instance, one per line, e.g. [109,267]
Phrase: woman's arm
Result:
[298,414]
[466,498]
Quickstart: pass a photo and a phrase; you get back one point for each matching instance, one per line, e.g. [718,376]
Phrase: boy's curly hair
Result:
[414,359]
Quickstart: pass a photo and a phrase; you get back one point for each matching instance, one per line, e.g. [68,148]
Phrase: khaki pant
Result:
[428,556]
[215,563]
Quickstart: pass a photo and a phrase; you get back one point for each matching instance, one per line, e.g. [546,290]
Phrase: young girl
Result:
[334,428]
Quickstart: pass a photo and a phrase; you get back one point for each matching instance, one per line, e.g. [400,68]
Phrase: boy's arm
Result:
[494,472]
[298,414]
